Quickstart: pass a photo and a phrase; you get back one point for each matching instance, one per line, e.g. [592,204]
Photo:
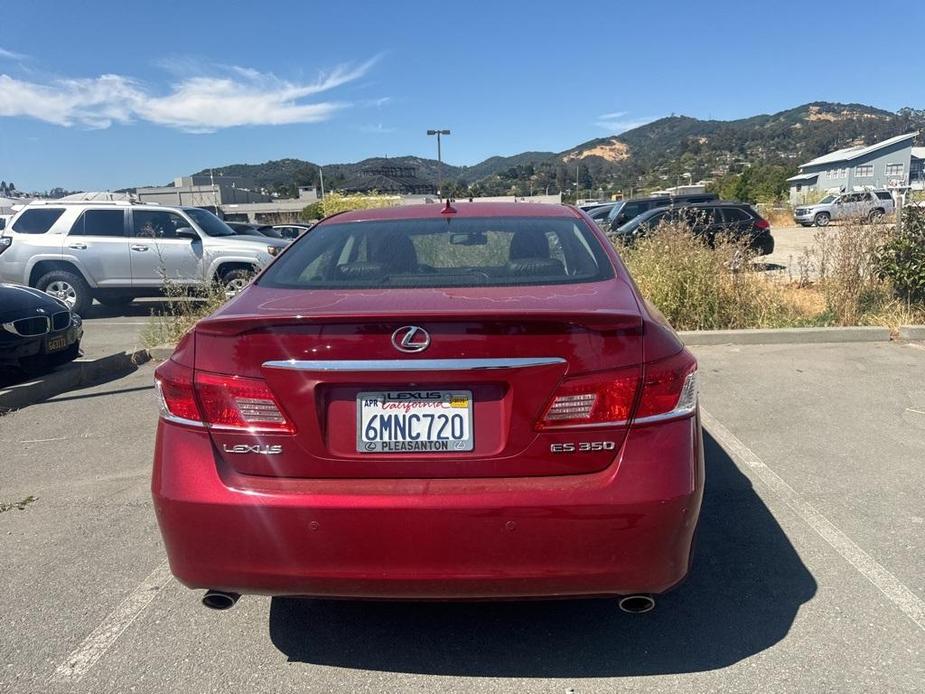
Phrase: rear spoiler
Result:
[604,321]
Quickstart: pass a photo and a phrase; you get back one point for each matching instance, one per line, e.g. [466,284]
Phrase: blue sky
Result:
[98,95]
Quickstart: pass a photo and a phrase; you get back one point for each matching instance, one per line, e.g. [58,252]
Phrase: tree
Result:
[561,178]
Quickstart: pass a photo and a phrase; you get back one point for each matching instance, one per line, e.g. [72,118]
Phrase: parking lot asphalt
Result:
[808,576]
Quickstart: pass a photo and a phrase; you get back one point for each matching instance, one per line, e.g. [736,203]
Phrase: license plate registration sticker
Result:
[414,421]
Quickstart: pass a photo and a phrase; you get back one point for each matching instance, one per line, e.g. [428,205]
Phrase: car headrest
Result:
[536,267]
[528,244]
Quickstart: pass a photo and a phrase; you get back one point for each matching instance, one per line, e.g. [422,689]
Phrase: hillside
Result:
[653,155]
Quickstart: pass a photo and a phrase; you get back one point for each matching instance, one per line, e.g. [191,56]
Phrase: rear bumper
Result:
[626,529]
[763,244]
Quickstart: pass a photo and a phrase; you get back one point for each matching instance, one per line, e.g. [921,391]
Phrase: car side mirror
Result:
[2,224]
[187,233]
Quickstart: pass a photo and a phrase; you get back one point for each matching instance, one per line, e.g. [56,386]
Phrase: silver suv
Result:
[870,205]
[116,251]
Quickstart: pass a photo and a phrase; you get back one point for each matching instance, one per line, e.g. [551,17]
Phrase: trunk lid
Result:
[318,350]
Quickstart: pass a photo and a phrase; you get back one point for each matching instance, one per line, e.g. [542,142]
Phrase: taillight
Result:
[234,402]
[5,242]
[762,224]
[217,400]
[669,388]
[602,398]
[174,385]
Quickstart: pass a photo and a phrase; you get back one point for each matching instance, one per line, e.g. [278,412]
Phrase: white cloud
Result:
[11,55]
[617,122]
[236,96]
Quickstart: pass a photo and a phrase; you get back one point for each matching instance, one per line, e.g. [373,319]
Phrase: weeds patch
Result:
[840,282]
[17,505]
[182,312]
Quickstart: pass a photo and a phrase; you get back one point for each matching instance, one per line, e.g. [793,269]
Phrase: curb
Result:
[784,336]
[912,332]
[75,375]
[160,353]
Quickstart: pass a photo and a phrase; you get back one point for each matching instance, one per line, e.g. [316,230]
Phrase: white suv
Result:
[870,205]
[116,251]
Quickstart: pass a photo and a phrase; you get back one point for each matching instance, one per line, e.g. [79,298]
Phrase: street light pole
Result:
[438,133]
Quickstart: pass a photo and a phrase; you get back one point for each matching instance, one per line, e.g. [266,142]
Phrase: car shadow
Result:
[742,596]
[137,309]
[768,267]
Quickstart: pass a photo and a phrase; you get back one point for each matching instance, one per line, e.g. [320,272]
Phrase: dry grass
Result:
[778,216]
[848,272]
[182,312]
[699,288]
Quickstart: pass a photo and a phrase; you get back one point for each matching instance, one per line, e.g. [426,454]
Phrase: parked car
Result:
[37,331]
[293,231]
[429,402]
[249,229]
[600,214]
[869,205]
[625,210]
[708,220]
[116,251]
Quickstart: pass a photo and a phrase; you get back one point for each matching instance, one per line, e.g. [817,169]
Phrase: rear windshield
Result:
[491,252]
[37,221]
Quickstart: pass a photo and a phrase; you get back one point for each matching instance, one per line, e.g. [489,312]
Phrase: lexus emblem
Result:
[410,338]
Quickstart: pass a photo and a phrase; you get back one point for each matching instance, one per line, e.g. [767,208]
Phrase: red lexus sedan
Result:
[426,402]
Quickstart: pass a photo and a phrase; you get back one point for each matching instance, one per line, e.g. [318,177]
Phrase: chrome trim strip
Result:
[11,326]
[674,414]
[413,364]
[167,417]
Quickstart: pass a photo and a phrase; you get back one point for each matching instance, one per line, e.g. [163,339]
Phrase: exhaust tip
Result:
[219,599]
[637,604]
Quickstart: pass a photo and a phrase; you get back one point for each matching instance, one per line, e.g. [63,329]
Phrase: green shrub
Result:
[337,202]
[901,259]
[313,211]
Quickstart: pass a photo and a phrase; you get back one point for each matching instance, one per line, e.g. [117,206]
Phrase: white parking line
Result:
[867,566]
[93,648]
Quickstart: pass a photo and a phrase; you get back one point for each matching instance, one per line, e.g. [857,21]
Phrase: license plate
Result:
[414,421]
[56,344]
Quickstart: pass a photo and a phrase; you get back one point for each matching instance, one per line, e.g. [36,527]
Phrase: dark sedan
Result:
[36,330]
[735,220]
[248,229]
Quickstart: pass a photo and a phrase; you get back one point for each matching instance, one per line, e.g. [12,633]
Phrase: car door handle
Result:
[139,248]
[78,246]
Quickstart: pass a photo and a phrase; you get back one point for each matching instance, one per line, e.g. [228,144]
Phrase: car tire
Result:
[236,280]
[115,301]
[67,286]
[822,219]
[875,216]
